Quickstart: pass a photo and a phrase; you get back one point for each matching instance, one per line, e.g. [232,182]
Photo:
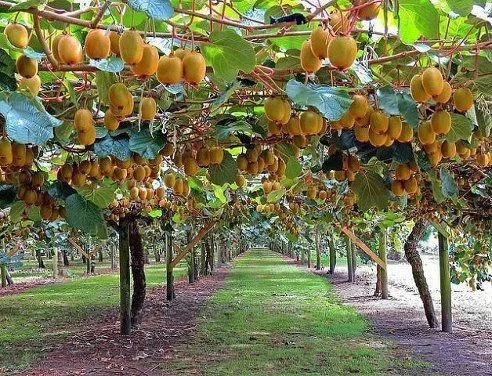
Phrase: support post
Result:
[318,251]
[333,255]
[169,266]
[55,263]
[446,314]
[3,272]
[125,293]
[383,242]
[348,246]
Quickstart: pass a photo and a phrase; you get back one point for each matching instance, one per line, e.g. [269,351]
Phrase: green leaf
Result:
[23,5]
[34,213]
[85,216]
[101,196]
[112,64]
[27,121]
[7,71]
[103,82]
[224,172]
[417,18]
[219,193]
[17,211]
[436,188]
[332,102]
[293,169]
[461,128]
[448,185]
[228,53]
[371,191]
[157,9]
[224,97]
[461,7]
[109,146]
[8,194]
[223,131]
[145,144]
[275,196]
[398,103]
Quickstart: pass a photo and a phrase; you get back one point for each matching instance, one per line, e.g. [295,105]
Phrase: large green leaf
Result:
[371,190]
[398,103]
[109,146]
[223,131]
[293,168]
[228,53]
[17,211]
[157,9]
[7,71]
[461,128]
[85,216]
[23,5]
[436,188]
[27,121]
[332,102]
[224,172]
[146,144]
[461,7]
[101,196]
[103,82]
[275,196]
[417,18]
[448,184]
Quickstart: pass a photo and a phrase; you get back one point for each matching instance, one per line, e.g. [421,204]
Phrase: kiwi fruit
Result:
[32,84]
[26,66]
[191,167]
[118,97]
[170,70]
[463,99]
[181,52]
[6,156]
[397,188]
[274,109]
[111,122]
[426,134]
[69,50]
[293,127]
[131,47]
[114,39]
[148,108]
[83,120]
[309,61]
[432,81]
[379,122]
[377,139]
[148,65]
[361,133]
[338,21]
[240,180]
[441,122]
[417,90]
[216,155]
[445,94]
[403,172]
[406,134]
[448,149]
[54,47]
[320,39]
[203,156]
[169,180]
[369,11]
[194,67]
[347,121]
[411,185]
[309,122]
[18,154]
[342,52]
[359,106]
[87,137]
[242,162]
[17,35]
[395,127]
[97,44]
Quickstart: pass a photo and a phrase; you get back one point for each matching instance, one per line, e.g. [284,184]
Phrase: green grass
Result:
[272,318]
[43,315]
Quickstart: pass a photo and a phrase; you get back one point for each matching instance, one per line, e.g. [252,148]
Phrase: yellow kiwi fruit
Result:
[432,148]
[397,188]
[30,197]
[342,52]
[417,89]
[95,171]
[361,133]
[403,172]
[406,134]
[379,122]
[448,149]
[148,108]
[148,65]
[178,187]
[83,120]
[395,127]
[311,192]
[29,157]
[78,178]
[444,95]
[411,185]
[118,98]
[347,121]
[97,44]
[191,167]
[194,67]
[242,162]
[114,39]
[87,137]
[131,47]
[54,47]
[483,159]
[425,133]
[134,193]
[17,35]
[338,21]
[441,122]
[340,175]
[369,11]
[216,155]
[359,106]
[45,211]
[170,70]
[432,81]
[463,99]
[69,50]
[309,61]
[111,122]
[26,66]
[181,52]
[294,126]
[274,109]
[389,141]
[353,163]
[309,122]
[203,156]
[287,113]
[85,167]
[377,139]
[435,158]
[32,84]
[139,173]
[18,154]
[178,159]
[320,39]
[274,129]
[169,180]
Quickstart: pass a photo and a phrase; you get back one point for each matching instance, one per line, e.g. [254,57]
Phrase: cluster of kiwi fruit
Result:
[191,160]
[350,167]
[332,38]
[270,185]
[14,155]
[406,179]
[255,160]
[178,185]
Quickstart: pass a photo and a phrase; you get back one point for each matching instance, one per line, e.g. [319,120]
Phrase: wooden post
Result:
[55,263]
[348,247]
[309,258]
[113,264]
[333,255]
[446,314]
[383,241]
[169,267]
[125,292]
[3,272]
[354,259]
[318,251]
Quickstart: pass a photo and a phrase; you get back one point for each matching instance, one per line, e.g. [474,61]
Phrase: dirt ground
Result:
[467,351]
[101,351]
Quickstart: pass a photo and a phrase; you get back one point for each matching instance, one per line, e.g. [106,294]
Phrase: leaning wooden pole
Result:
[383,243]
[446,314]
[125,292]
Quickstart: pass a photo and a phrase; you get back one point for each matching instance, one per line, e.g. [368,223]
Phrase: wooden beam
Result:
[201,234]
[81,250]
[359,243]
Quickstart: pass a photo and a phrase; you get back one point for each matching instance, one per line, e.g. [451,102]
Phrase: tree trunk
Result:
[333,255]
[413,257]
[203,257]
[113,259]
[3,274]
[348,246]
[138,273]
[101,256]
[55,263]
[445,284]
[318,252]
[190,258]
[383,240]
[125,304]
[10,281]
[40,259]
[170,294]
[66,262]
[377,290]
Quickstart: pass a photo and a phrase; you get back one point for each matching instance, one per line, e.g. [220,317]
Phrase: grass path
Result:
[32,320]
[272,318]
